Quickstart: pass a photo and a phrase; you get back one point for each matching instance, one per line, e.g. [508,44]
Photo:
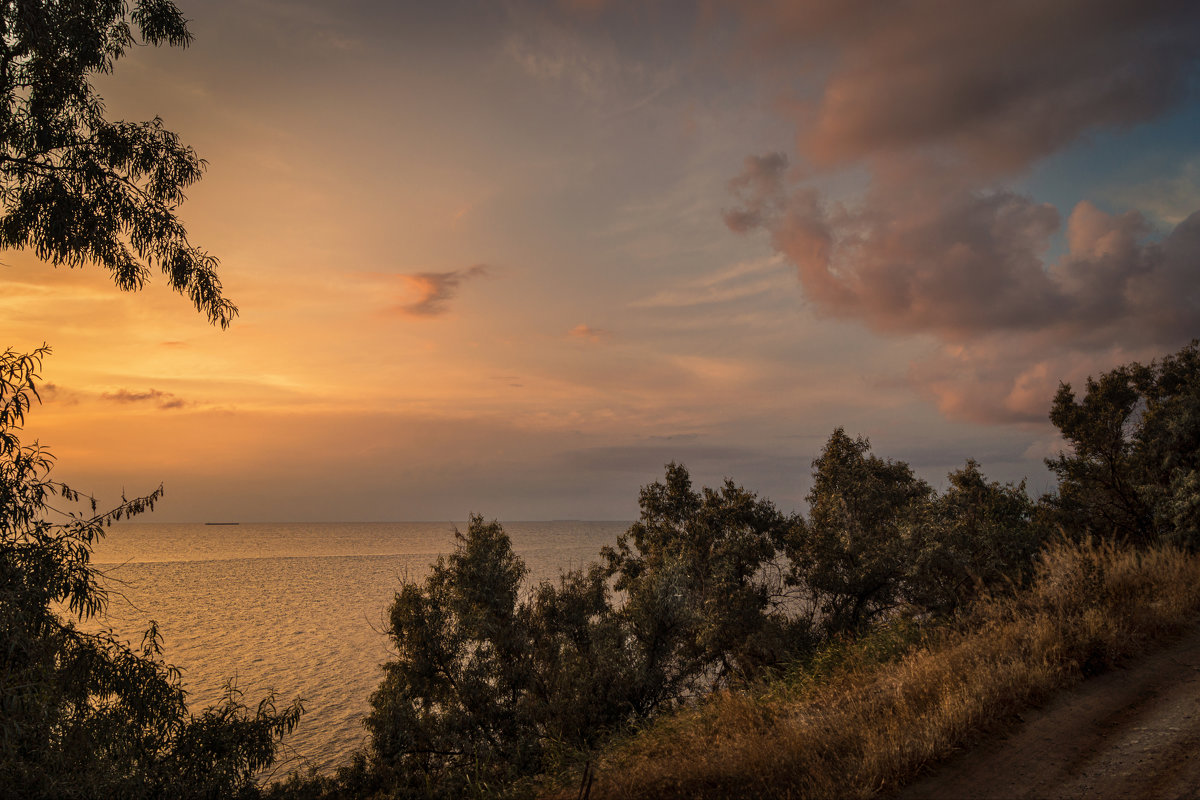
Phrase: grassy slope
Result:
[871,720]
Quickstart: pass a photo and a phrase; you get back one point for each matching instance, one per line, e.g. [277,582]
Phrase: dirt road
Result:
[1130,733]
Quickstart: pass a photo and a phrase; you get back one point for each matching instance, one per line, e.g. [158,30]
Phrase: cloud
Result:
[941,107]
[744,279]
[435,290]
[711,460]
[588,333]
[973,270]
[1169,199]
[164,400]
[761,190]
[959,263]
[997,84]
[53,393]
[590,70]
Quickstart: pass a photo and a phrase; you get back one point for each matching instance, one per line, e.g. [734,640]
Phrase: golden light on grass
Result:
[860,721]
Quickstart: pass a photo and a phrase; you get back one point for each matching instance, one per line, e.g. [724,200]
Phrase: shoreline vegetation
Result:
[722,648]
[718,648]
[866,717]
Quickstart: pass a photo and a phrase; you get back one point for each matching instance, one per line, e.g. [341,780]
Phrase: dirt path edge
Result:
[1132,732]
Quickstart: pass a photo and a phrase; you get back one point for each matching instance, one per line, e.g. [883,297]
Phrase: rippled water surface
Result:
[295,607]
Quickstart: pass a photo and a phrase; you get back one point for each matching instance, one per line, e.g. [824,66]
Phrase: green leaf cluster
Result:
[75,187]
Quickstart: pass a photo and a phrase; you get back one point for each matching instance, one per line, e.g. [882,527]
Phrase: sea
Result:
[299,609]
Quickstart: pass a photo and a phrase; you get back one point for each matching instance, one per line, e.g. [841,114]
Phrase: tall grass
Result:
[866,718]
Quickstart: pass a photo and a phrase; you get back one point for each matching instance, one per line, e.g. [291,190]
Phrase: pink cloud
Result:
[959,263]
[940,104]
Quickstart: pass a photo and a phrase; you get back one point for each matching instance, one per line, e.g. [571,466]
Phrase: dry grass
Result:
[869,727]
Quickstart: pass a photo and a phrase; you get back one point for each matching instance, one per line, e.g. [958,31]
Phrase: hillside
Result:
[1130,733]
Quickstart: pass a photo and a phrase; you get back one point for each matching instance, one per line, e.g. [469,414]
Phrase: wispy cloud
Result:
[53,393]
[434,290]
[157,397]
[1169,199]
[588,333]
[593,69]
[744,279]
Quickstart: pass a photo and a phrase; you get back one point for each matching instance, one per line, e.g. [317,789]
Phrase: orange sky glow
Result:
[512,258]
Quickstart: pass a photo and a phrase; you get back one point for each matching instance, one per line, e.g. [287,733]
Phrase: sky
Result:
[511,258]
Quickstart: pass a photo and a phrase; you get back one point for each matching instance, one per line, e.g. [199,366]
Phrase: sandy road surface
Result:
[1130,733]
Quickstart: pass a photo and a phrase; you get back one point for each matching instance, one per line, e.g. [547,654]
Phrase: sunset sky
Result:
[511,258]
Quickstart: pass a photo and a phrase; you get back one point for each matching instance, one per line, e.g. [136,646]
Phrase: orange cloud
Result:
[435,290]
[588,333]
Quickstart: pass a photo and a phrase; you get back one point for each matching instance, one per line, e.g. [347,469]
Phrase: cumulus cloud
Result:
[434,290]
[960,263]
[157,397]
[942,106]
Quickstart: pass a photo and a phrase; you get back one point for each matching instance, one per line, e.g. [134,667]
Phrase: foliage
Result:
[76,187]
[486,686]
[879,539]
[976,535]
[870,716]
[1132,471]
[695,570]
[84,714]
[454,695]
[854,554]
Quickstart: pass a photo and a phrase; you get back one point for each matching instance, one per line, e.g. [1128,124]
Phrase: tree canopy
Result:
[1131,470]
[76,187]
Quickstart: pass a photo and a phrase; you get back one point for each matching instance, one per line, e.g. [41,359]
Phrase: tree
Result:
[1132,470]
[485,686]
[76,187]
[853,553]
[698,600]
[978,534]
[84,714]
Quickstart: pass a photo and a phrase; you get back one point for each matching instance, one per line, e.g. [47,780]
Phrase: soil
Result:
[1133,732]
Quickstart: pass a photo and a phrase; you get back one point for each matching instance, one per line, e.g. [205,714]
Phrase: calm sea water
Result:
[297,608]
